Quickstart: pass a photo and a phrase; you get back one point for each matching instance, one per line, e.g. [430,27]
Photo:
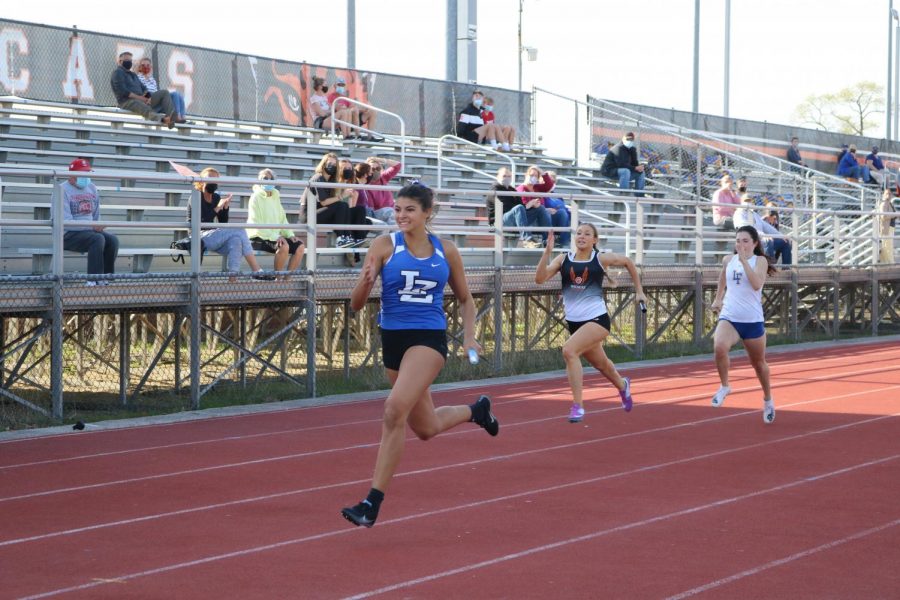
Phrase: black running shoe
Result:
[362,514]
[482,415]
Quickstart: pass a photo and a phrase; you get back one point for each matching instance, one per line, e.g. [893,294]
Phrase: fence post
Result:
[795,232]
[639,222]
[698,235]
[836,239]
[498,319]
[876,305]
[194,309]
[795,305]
[56,315]
[311,337]
[699,171]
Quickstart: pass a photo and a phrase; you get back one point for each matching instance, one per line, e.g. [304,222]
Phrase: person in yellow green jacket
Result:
[265,208]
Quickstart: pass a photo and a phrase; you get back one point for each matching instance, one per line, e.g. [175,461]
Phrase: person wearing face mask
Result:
[145,74]
[505,134]
[621,164]
[330,209]
[265,207]
[359,116]
[745,215]
[873,171]
[230,243]
[559,213]
[849,167]
[131,95]
[725,195]
[320,109]
[470,120]
[81,202]
[345,174]
[535,211]
[381,172]
[511,203]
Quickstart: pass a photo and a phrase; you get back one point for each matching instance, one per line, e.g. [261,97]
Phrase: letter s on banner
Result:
[180,71]
[77,72]
[12,81]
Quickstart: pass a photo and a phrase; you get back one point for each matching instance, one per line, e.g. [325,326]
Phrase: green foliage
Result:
[850,110]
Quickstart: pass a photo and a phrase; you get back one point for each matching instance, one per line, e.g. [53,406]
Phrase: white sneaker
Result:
[719,398]
[505,147]
[768,411]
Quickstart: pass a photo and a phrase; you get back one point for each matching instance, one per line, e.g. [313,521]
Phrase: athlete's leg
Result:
[586,338]
[598,359]
[756,352]
[725,337]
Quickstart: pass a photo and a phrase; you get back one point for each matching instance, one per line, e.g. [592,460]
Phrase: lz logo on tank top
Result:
[736,277]
[416,289]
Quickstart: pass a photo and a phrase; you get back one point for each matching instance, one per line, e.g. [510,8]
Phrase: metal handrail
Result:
[401,139]
[459,140]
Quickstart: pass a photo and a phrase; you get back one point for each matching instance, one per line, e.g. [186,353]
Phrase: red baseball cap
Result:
[79,164]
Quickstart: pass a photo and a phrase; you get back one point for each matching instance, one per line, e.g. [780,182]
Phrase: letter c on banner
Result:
[181,69]
[77,72]
[12,81]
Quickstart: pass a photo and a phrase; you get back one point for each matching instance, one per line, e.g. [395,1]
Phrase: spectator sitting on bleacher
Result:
[320,109]
[874,168]
[470,125]
[886,229]
[535,212]
[131,95]
[81,202]
[505,134]
[330,210]
[345,174]
[793,155]
[722,215]
[849,167]
[746,215]
[265,207]
[513,209]
[145,74]
[230,243]
[840,155]
[559,214]
[621,164]
[382,170]
[359,116]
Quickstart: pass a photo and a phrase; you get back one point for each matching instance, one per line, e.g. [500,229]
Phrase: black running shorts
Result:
[603,321]
[395,343]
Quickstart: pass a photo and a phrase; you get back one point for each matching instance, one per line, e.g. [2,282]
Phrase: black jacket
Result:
[509,202]
[619,157]
[124,82]
[467,130]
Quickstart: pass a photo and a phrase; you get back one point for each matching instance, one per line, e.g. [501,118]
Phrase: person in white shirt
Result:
[320,109]
[745,215]
[739,304]
[145,74]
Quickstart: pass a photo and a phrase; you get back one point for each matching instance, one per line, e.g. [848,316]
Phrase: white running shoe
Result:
[719,398]
[768,411]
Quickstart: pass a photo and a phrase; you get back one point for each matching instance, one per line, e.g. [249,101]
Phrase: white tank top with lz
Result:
[742,303]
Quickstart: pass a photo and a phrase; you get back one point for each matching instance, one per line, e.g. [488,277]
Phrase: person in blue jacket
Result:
[849,167]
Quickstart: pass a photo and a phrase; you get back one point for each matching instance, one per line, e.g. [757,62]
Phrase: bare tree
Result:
[850,110]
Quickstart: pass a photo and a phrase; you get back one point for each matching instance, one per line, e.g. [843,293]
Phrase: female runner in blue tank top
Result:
[739,304]
[414,266]
[582,274]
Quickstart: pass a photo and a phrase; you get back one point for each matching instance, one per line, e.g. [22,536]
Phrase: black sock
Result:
[374,498]
[476,412]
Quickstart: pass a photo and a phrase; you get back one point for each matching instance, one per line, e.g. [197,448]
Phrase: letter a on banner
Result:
[77,84]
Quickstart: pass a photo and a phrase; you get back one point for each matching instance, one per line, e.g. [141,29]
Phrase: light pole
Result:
[521,2]
[351,34]
[696,104]
[895,16]
[889,106]
[728,53]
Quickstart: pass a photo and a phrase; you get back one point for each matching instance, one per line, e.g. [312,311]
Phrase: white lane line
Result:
[459,432]
[620,528]
[266,497]
[470,567]
[783,561]
[783,382]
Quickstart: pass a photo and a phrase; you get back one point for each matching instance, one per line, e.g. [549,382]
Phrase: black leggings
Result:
[341,213]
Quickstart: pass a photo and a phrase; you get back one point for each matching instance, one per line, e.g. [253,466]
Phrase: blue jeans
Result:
[538,216]
[102,249]
[561,218]
[178,101]
[854,172]
[515,217]
[230,243]
[627,176]
[779,247]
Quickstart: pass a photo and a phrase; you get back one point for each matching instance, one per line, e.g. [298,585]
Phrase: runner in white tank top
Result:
[582,274]
[739,304]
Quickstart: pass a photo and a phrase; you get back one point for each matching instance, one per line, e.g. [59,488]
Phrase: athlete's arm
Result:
[375,257]
[460,288]
[545,271]
[720,287]
[616,260]
[757,275]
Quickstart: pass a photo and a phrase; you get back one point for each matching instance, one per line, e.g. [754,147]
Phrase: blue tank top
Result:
[412,289]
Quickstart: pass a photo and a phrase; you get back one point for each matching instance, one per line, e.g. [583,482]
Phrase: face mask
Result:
[209,188]
[340,89]
[488,107]
[347,173]
[268,187]
[331,169]
[145,69]
[324,89]
[477,101]
[82,182]
[507,181]
[532,180]
[742,189]
[126,64]
[628,143]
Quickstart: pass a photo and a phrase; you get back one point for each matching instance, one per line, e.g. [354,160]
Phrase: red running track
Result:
[673,500]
